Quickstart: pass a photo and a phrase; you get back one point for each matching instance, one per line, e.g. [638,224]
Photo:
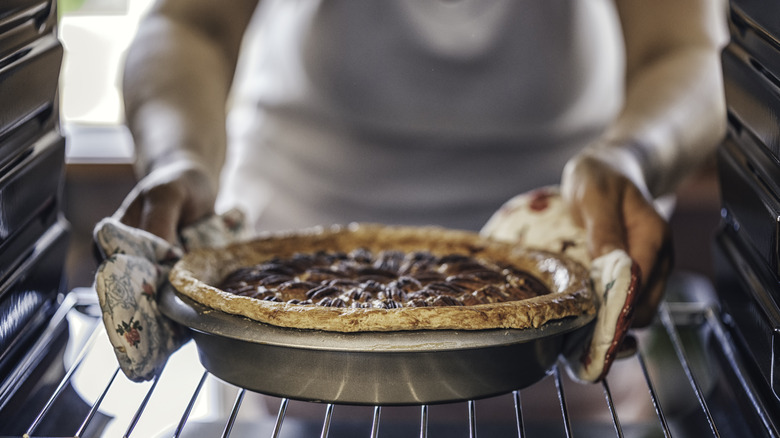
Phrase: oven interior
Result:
[688,377]
[706,367]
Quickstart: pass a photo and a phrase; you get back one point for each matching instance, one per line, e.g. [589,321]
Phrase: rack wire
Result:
[688,328]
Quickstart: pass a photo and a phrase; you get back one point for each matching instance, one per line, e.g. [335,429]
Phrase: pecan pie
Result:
[388,280]
[382,278]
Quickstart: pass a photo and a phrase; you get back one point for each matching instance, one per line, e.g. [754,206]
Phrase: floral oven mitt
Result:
[134,268]
[540,219]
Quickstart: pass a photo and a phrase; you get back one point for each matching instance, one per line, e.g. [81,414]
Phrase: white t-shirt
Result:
[415,111]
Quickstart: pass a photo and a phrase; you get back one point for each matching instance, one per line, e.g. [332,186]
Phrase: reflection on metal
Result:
[96,405]
[188,410]
[141,407]
[326,423]
[666,319]
[674,321]
[280,417]
[612,411]
[654,396]
[375,422]
[472,420]
[518,414]
[424,421]
[48,335]
[562,400]
[234,413]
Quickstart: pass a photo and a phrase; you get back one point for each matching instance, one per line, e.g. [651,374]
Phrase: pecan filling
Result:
[387,279]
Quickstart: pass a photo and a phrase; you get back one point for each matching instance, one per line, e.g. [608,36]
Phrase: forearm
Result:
[674,111]
[673,117]
[176,84]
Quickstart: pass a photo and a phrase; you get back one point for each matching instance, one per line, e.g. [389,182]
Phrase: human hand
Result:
[605,191]
[170,197]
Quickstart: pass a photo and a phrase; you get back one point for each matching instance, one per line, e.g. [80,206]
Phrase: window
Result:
[95,35]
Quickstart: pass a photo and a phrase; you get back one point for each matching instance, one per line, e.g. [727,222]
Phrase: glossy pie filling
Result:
[386,279]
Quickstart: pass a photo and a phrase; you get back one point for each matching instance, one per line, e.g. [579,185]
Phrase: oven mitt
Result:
[540,219]
[135,266]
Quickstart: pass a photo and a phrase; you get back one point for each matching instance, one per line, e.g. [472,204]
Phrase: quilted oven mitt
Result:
[540,219]
[135,266]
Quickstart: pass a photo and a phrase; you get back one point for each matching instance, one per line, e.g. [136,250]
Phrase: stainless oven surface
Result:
[687,379]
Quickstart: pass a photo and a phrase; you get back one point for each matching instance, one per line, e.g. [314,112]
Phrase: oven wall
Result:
[33,233]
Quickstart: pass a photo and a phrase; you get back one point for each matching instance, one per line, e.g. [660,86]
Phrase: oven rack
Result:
[185,398]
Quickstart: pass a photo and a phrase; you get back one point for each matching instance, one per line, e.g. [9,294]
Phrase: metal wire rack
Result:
[687,370]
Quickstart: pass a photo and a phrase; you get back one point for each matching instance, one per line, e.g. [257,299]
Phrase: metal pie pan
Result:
[369,368]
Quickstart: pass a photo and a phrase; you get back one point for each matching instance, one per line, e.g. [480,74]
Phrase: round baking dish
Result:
[408,355]
[370,368]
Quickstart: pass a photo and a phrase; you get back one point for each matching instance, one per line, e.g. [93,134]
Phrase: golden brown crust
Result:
[571,294]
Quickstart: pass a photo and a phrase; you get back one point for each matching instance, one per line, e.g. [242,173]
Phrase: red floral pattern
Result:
[541,219]
[131,331]
[135,267]
[540,200]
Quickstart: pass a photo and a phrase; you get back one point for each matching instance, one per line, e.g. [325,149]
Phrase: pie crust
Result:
[197,273]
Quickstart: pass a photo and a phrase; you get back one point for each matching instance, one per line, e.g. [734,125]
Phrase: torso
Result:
[417,112]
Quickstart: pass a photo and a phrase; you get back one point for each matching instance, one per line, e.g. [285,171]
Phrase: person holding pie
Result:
[425,112]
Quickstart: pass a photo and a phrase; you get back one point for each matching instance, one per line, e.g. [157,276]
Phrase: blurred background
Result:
[99,172]
[96,34]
